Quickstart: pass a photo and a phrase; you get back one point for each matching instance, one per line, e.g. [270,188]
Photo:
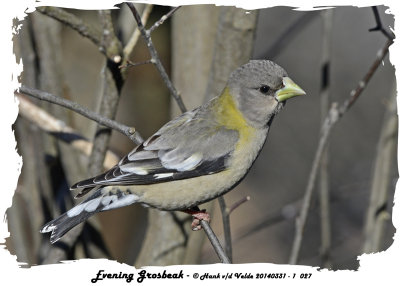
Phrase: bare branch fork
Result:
[92,33]
[155,59]
[136,34]
[83,28]
[379,26]
[335,113]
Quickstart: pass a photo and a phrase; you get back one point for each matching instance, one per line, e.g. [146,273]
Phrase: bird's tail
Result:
[102,199]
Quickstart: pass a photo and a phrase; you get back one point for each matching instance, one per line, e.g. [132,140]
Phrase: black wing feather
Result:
[115,177]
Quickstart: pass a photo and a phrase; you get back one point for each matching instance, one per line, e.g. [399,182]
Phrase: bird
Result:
[198,156]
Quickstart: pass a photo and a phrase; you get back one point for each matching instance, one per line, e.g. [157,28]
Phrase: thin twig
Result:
[301,220]
[238,204]
[163,19]
[227,226]
[136,33]
[334,115]
[215,242]
[56,127]
[155,58]
[130,132]
[110,49]
[363,83]
[131,64]
[77,24]
[70,20]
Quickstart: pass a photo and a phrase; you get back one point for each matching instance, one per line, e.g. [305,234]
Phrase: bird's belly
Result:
[187,193]
[183,194]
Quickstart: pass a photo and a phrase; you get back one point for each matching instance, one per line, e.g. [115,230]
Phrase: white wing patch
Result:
[48,228]
[131,168]
[92,205]
[76,210]
[122,202]
[163,175]
[190,163]
[103,203]
[186,165]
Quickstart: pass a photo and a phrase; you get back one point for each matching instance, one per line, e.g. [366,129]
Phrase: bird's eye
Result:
[264,88]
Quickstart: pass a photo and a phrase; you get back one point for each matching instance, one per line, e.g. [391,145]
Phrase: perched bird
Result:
[195,157]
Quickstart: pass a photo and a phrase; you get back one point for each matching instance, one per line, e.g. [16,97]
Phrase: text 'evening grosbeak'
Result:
[195,157]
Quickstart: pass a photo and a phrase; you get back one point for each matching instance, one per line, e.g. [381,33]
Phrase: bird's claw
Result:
[197,217]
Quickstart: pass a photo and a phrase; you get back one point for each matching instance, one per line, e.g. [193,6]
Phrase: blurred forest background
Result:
[198,54]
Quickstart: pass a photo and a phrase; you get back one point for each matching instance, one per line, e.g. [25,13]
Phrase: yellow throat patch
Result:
[231,117]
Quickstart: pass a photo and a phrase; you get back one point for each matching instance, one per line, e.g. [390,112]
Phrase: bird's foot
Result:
[198,215]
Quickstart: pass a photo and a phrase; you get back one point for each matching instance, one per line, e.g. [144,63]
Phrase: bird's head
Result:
[260,88]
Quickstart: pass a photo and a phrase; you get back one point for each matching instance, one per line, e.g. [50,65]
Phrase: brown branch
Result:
[85,29]
[155,58]
[130,132]
[333,117]
[56,127]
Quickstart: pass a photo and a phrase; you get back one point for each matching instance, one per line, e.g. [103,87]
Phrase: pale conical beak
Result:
[289,90]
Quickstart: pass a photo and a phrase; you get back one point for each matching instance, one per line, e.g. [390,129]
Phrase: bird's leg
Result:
[197,215]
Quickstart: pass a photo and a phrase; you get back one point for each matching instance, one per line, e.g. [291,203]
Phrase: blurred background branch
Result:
[60,129]
[378,214]
[85,29]
[334,115]
[327,18]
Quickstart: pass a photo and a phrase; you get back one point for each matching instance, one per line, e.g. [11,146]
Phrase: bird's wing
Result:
[189,146]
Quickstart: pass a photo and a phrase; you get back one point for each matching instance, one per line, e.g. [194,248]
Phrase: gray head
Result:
[260,89]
